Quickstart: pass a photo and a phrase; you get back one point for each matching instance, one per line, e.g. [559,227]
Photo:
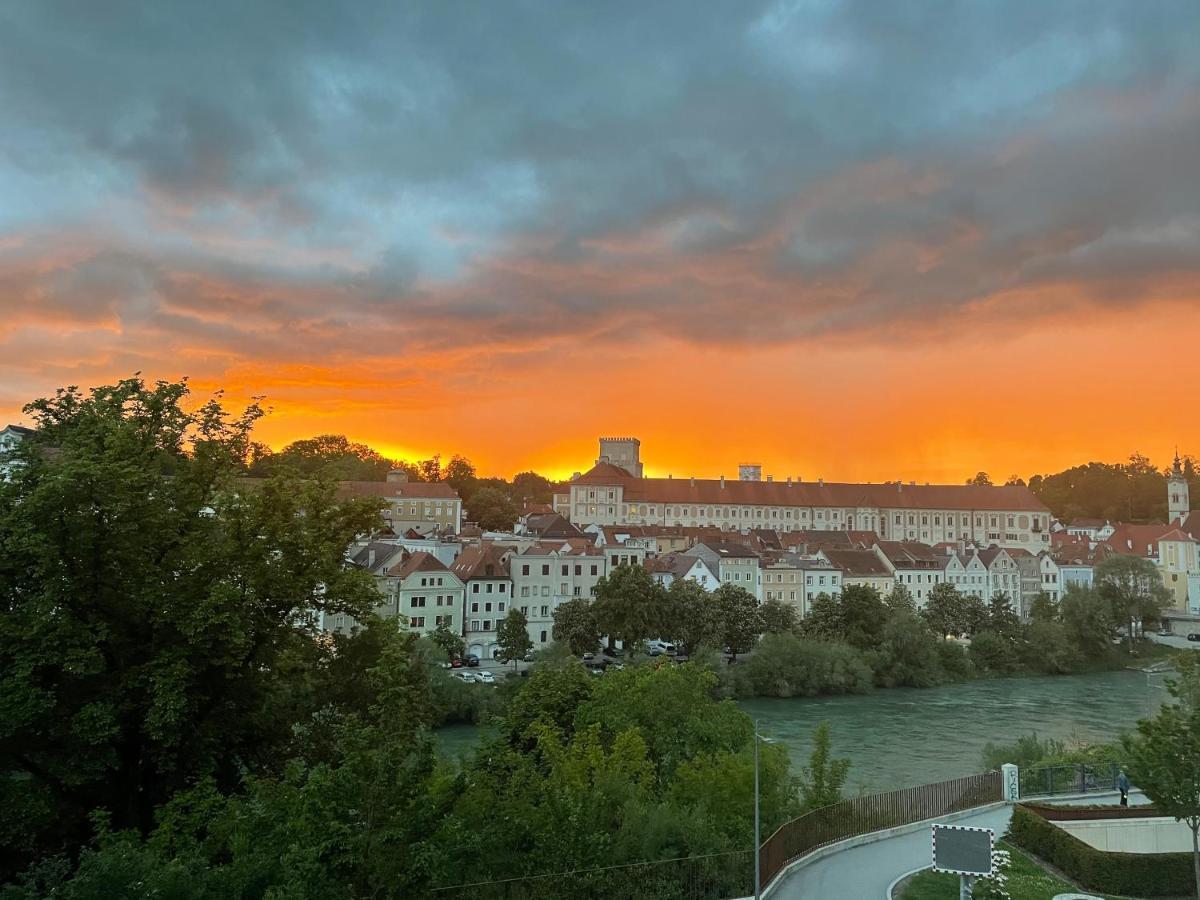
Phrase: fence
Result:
[706,877]
[1075,778]
[861,815]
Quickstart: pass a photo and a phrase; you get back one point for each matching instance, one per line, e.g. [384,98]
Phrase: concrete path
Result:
[865,872]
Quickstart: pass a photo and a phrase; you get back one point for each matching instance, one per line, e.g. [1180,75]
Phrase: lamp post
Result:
[757,826]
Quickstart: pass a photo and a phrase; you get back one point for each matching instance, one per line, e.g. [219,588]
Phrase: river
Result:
[906,736]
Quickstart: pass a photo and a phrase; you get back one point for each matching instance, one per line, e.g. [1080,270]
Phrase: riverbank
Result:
[908,736]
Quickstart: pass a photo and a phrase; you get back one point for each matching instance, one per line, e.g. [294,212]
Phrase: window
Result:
[578,591]
[418,621]
[525,610]
[424,583]
[565,570]
[545,611]
[563,588]
[595,570]
[416,602]
[524,590]
[543,637]
[579,570]
[616,561]
[545,590]
[487,624]
[475,588]
[546,569]
[489,588]
[474,607]
[502,588]
[524,570]
[487,607]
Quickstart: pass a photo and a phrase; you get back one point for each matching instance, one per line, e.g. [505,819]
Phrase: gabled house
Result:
[483,569]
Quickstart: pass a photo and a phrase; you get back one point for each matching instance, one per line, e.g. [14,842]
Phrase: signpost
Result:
[963,851]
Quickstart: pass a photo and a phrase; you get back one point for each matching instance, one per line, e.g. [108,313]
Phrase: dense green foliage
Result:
[786,665]
[1127,492]
[1128,874]
[1164,755]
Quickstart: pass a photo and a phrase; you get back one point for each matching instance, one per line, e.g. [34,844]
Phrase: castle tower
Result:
[1178,503]
[623,452]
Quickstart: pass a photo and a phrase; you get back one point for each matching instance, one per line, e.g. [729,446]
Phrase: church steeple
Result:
[1178,503]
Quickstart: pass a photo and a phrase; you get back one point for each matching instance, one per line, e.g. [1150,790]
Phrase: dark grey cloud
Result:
[763,170]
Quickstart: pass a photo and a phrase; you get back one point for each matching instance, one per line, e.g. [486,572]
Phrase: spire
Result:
[1177,469]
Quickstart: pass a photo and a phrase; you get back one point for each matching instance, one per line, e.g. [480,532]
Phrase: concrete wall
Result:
[1157,835]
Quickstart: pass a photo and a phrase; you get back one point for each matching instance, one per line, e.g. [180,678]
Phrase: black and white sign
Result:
[962,850]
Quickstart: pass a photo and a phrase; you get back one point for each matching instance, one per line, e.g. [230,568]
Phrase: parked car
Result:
[472,660]
[528,657]
[588,656]
[467,677]
[456,663]
[485,677]
[1194,636]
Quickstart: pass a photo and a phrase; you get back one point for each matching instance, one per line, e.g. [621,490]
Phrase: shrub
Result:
[1130,874]
[994,653]
[785,665]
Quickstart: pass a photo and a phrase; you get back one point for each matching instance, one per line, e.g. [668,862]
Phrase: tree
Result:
[1043,608]
[155,615]
[431,469]
[513,636]
[1133,588]
[1015,481]
[1088,620]
[908,653]
[450,643]
[331,455]
[491,510]
[974,614]
[778,617]
[863,616]
[822,779]
[945,610]
[1001,618]
[741,622]
[530,487]
[460,475]
[824,619]
[1163,755]
[694,616]
[630,605]
[900,598]
[575,624]
[981,479]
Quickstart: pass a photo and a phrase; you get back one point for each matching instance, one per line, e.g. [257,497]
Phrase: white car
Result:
[485,677]
[468,677]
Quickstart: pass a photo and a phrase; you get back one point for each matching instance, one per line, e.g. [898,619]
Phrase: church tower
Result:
[1177,493]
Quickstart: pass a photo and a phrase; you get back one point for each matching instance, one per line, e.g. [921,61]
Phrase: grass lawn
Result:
[1026,881]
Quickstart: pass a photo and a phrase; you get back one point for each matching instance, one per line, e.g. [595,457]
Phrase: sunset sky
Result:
[858,241]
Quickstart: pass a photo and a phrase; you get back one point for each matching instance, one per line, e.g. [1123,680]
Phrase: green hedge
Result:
[1131,874]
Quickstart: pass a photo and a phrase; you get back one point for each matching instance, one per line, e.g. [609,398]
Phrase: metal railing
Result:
[708,877]
[862,815]
[1072,778]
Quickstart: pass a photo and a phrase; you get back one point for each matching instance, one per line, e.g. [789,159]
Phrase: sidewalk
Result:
[865,872]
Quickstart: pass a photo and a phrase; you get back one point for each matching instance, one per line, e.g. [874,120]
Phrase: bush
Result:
[955,663]
[1027,750]
[1049,649]
[785,665]
[1130,874]
[908,654]
[994,653]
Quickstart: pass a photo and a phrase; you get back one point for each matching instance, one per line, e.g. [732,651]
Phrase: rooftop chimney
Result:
[722,481]
[371,558]
[770,478]
[820,482]
[789,481]
[397,476]
[692,480]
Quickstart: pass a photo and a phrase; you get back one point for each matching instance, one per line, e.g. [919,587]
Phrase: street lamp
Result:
[757,818]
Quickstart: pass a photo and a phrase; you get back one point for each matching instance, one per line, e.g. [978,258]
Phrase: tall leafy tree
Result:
[329,455]
[741,620]
[1002,618]
[778,617]
[694,619]
[630,605]
[1164,756]
[945,610]
[451,644]
[1133,588]
[575,624]
[1043,608]
[863,616]
[1088,620]
[822,780]
[824,619]
[530,487]
[460,474]
[151,604]
[491,509]
[513,636]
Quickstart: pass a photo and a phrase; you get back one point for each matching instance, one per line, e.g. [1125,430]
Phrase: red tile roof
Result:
[473,562]
[858,563]
[407,490]
[810,494]
[418,562]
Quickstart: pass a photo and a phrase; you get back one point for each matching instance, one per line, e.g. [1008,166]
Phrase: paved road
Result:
[1177,640]
[865,872]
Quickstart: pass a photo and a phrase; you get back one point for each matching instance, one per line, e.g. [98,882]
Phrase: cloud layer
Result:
[391,208]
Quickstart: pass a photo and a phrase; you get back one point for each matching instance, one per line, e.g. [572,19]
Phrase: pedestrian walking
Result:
[1123,787]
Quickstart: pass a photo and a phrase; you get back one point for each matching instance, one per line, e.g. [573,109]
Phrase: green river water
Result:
[907,736]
